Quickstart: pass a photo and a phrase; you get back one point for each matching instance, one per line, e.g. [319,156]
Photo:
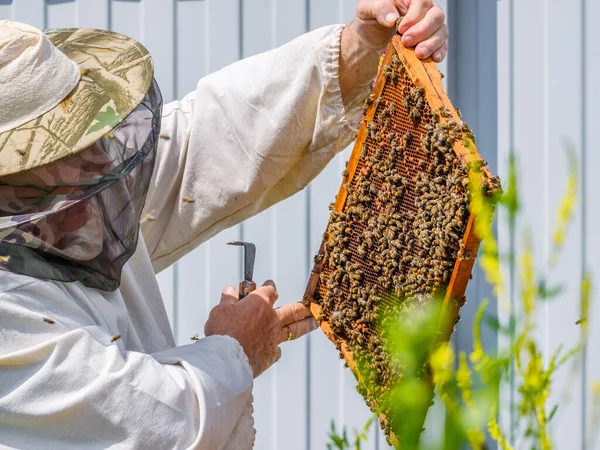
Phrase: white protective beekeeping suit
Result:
[251,135]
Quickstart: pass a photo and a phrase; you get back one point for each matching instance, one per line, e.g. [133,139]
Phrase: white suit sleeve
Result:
[251,135]
[67,385]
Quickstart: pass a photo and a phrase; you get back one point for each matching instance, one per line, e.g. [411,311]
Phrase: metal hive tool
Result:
[400,228]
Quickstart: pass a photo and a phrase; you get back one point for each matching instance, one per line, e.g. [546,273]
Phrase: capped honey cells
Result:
[395,241]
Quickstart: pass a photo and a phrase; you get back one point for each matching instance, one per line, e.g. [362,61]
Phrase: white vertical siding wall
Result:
[472,86]
[188,39]
[547,95]
[590,12]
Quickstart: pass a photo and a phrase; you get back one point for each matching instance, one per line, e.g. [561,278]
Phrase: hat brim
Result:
[117,72]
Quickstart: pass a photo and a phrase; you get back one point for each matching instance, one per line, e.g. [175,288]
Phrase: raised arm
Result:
[251,135]
[258,131]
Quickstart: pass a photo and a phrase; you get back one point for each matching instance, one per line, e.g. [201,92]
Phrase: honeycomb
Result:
[400,232]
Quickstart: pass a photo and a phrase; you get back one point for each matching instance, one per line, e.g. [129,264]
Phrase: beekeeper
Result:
[89,158]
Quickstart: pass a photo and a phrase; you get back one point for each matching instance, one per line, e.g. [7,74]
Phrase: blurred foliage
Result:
[470,385]
[341,442]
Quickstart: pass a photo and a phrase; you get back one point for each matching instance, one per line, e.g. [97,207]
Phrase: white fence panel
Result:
[591,213]
[547,90]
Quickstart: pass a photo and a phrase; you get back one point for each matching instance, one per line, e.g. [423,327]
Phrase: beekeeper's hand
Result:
[422,25]
[369,33]
[258,327]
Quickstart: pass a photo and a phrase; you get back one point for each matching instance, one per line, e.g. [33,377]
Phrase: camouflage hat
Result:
[116,74]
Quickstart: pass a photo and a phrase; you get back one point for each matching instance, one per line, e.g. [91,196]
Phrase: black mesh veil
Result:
[78,219]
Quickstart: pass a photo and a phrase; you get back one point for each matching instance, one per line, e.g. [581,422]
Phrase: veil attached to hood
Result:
[77,219]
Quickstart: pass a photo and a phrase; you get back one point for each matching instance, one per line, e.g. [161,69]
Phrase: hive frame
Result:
[422,73]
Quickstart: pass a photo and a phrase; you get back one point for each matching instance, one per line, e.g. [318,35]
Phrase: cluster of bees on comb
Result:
[394,244]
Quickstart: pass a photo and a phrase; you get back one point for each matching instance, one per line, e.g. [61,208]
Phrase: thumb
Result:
[384,11]
[229,296]
[387,14]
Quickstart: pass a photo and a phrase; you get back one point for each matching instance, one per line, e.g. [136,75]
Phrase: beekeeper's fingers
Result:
[292,312]
[298,329]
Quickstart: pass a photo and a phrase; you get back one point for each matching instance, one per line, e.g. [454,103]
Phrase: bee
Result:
[49,320]
[115,338]
[444,111]
[195,338]
[165,137]
[4,259]
[417,91]
[371,128]
[387,70]
[414,115]
[452,136]
[337,316]
[425,144]
[406,102]
[392,108]
[465,128]
[466,256]
[188,200]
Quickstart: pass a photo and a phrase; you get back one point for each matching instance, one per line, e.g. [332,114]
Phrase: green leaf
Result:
[551,415]
[362,436]
[548,292]
[106,118]
[511,198]
[494,324]
[337,442]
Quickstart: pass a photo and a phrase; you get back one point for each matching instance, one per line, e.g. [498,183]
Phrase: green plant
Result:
[341,442]
[469,385]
